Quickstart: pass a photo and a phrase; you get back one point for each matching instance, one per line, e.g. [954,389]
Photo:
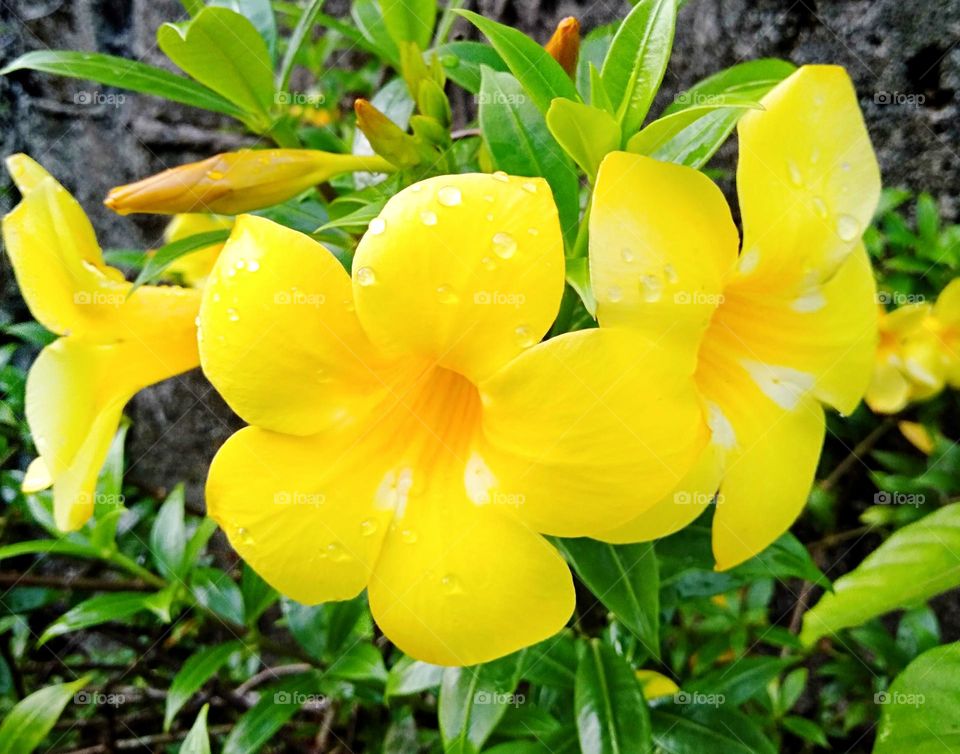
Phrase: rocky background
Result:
[903,55]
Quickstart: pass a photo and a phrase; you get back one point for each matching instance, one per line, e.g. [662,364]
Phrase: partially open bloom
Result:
[770,333]
[918,353]
[114,341]
[193,268]
[412,435]
[234,182]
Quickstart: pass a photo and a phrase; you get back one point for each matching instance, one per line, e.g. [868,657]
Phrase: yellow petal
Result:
[307,514]
[827,333]
[681,506]
[194,267]
[463,270]
[459,584]
[235,182]
[661,243]
[947,307]
[770,431]
[656,685]
[75,395]
[889,390]
[807,178]
[918,436]
[37,476]
[600,415]
[279,338]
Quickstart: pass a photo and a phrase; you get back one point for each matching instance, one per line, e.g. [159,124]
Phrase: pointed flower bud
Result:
[564,45]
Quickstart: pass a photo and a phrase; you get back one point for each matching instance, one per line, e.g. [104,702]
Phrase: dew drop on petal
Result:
[366,276]
[533,231]
[253,265]
[504,245]
[796,177]
[614,293]
[451,584]
[847,228]
[368,527]
[216,298]
[530,187]
[501,176]
[488,197]
[232,314]
[428,218]
[214,175]
[650,288]
[670,272]
[446,295]
[449,196]
[627,256]
[377,226]
[820,207]
[409,536]
[524,337]
[488,263]
[240,264]
[845,166]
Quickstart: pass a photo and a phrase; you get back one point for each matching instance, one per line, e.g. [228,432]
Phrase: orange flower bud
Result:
[564,45]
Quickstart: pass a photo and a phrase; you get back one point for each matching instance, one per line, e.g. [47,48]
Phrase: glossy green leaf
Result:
[552,662]
[326,630]
[168,536]
[625,578]
[750,80]
[215,590]
[540,75]
[298,36]
[368,18]
[409,676]
[197,740]
[199,668]
[637,60]
[474,699]
[258,595]
[520,144]
[919,710]
[124,74]
[698,728]
[104,608]
[585,132]
[27,724]
[612,716]
[409,20]
[223,50]
[257,12]
[462,60]
[593,50]
[48,547]
[916,563]
[158,262]
[739,681]
[361,661]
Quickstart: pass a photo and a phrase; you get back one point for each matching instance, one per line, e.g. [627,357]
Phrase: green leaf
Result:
[28,723]
[368,18]
[215,590]
[199,668]
[552,662]
[461,62]
[919,711]
[540,75]
[689,137]
[124,74]
[360,662]
[612,716]
[197,740]
[409,676]
[198,541]
[593,49]
[585,132]
[917,562]
[474,699]
[299,35]
[409,20]
[637,60]
[49,547]
[806,729]
[739,681]
[168,536]
[625,578]
[224,51]
[750,80]
[258,595]
[698,728]
[104,608]
[257,12]
[785,558]
[520,143]
[278,703]
[162,258]
[326,630]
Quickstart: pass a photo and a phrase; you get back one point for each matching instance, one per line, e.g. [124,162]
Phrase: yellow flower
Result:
[412,435]
[907,364]
[773,332]
[235,182]
[114,341]
[193,268]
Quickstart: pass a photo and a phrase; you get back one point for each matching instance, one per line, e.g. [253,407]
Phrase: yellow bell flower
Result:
[193,268]
[771,333]
[114,340]
[234,182]
[411,434]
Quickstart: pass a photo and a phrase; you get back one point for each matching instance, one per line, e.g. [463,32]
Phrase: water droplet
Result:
[533,231]
[488,263]
[244,536]
[416,188]
[451,584]
[216,298]
[627,256]
[449,196]
[428,218]
[796,177]
[530,187]
[814,156]
[196,320]
[501,176]
[845,166]
[820,207]
[504,245]
[232,315]
[368,528]
[614,293]
[214,175]
[525,338]
[337,552]
[253,265]
[409,536]
[446,295]
[670,272]
[366,276]
[488,198]
[231,272]
[490,217]
[847,227]
[650,288]
[377,226]
[240,264]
